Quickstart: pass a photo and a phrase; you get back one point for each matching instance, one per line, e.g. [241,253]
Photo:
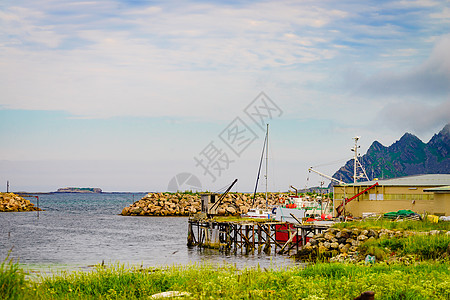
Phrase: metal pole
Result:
[267,159]
[334,206]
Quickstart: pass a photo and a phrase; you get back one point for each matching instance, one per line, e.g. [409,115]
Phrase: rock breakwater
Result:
[10,202]
[185,204]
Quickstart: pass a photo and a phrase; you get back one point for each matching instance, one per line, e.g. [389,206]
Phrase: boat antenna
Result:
[259,170]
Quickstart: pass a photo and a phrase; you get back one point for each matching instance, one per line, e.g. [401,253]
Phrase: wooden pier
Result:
[248,237]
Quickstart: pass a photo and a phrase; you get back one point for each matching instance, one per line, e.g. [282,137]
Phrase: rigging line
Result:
[221,189]
[362,168]
[259,170]
[331,163]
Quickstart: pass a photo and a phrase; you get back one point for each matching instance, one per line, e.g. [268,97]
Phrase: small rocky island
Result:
[79,190]
[10,202]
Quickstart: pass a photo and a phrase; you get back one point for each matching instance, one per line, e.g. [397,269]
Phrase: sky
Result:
[175,95]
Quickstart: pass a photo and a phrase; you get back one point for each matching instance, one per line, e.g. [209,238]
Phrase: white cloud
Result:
[155,61]
[430,79]
[415,3]
[19,28]
[401,52]
[443,16]
[420,118]
[98,59]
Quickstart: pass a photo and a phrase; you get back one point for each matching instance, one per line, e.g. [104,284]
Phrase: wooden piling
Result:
[271,237]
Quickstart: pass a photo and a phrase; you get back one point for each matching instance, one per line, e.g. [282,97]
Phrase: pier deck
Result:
[248,236]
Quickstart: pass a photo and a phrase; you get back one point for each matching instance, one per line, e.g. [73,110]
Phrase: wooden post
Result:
[236,236]
[253,238]
[268,248]
[190,238]
[259,239]
[198,233]
[303,236]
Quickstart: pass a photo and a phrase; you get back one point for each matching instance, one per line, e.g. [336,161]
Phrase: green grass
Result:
[422,247]
[419,226]
[12,280]
[425,280]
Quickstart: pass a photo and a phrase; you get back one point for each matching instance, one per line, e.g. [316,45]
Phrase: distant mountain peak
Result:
[445,130]
[408,135]
[409,138]
[407,156]
[376,146]
[444,133]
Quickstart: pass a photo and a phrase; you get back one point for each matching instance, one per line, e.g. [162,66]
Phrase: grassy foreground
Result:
[425,280]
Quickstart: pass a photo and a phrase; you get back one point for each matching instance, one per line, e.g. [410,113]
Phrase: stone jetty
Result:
[186,204]
[10,202]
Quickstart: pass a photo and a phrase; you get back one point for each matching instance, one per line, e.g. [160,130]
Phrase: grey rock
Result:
[362,237]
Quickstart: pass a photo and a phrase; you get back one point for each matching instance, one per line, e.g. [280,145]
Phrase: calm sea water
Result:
[79,230]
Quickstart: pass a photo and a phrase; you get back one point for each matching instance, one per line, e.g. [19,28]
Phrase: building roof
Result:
[431,180]
[441,189]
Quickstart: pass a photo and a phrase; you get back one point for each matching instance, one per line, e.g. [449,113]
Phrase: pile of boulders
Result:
[10,202]
[344,244]
[334,241]
[186,204]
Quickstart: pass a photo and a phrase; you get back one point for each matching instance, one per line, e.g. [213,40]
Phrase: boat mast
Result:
[356,163]
[267,159]
[355,149]
[259,170]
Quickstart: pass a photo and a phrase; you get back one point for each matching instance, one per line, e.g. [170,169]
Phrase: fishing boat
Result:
[304,209]
[259,213]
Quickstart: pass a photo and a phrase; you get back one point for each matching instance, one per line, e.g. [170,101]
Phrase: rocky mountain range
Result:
[407,156]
